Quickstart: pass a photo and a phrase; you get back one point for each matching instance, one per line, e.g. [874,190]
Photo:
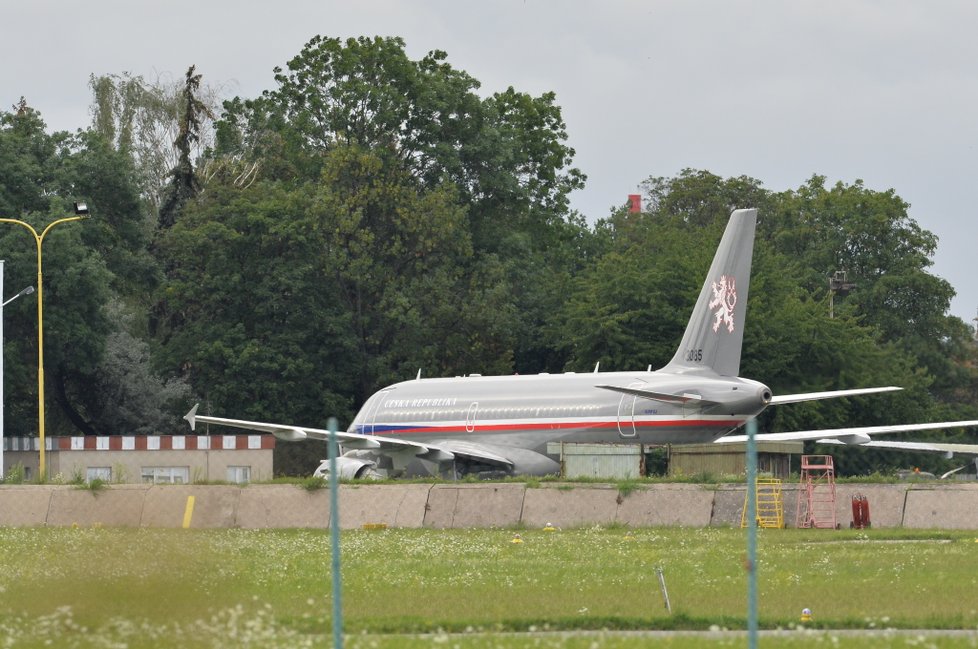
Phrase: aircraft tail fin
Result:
[715,333]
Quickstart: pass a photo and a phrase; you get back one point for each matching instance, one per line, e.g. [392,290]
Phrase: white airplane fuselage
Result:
[530,411]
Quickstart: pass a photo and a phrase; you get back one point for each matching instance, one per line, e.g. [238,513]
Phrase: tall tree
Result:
[342,287]
[506,155]
[29,159]
[398,257]
[183,184]
[142,118]
[86,265]
[886,255]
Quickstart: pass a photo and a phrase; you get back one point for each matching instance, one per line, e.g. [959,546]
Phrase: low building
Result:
[176,459]
[627,461]
[773,458]
[608,461]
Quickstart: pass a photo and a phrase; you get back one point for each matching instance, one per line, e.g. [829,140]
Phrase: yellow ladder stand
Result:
[770,504]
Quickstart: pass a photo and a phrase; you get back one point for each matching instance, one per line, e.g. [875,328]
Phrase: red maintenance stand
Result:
[816,495]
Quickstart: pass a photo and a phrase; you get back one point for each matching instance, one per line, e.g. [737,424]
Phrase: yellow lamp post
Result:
[81,212]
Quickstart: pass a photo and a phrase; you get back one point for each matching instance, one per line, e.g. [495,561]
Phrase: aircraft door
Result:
[626,413]
[470,417]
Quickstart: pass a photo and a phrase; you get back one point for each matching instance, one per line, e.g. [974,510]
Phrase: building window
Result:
[165,474]
[101,443]
[230,442]
[239,474]
[128,443]
[179,442]
[203,443]
[153,443]
[103,473]
[254,441]
[78,443]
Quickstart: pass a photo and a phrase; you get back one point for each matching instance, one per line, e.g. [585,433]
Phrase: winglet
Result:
[192,416]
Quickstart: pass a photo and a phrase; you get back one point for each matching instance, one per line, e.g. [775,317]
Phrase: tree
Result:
[141,120]
[505,158]
[248,314]
[29,158]
[886,254]
[506,155]
[395,253]
[127,396]
[183,184]
[628,309]
[122,223]
[698,196]
[87,265]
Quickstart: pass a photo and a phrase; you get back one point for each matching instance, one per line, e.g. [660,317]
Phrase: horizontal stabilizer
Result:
[660,396]
[830,394]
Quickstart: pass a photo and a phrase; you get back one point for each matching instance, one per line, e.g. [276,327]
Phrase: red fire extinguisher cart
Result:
[860,512]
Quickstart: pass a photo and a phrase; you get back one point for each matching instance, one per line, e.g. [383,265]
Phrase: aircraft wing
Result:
[859,435]
[938,447]
[433,452]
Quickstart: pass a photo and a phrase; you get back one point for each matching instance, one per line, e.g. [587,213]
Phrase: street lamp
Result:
[81,212]
[3,303]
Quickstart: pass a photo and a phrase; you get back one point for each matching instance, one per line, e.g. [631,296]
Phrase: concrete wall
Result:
[441,506]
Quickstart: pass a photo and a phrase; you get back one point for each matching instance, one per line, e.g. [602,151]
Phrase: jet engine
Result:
[350,468]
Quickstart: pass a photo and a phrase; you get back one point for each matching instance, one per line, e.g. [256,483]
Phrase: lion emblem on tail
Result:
[724,300]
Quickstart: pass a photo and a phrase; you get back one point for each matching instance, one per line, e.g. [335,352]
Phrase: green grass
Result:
[205,588]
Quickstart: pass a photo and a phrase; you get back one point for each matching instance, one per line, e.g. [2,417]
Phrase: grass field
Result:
[77,587]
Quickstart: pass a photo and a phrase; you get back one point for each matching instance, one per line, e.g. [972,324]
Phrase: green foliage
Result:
[626,487]
[314,483]
[95,485]
[127,395]
[77,279]
[14,475]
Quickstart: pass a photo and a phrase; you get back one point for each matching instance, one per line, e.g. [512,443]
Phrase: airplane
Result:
[491,425]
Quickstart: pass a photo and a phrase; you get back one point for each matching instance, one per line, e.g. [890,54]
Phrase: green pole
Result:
[334,528]
[751,534]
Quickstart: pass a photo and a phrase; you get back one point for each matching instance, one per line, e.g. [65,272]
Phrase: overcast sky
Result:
[886,92]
